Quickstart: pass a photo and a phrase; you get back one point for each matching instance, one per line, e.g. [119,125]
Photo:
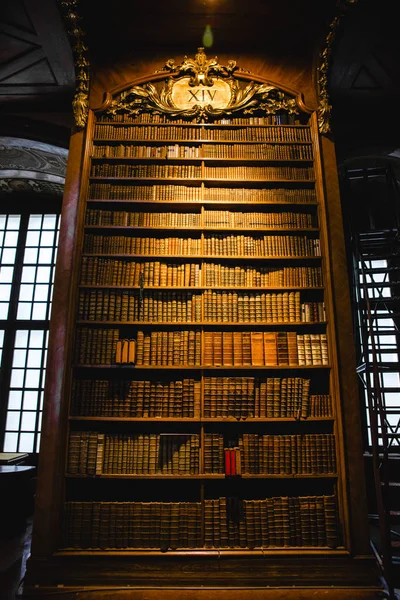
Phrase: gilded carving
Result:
[200,68]
[200,89]
[80,102]
[324,110]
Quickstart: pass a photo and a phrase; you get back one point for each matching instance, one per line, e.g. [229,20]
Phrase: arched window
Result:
[31,185]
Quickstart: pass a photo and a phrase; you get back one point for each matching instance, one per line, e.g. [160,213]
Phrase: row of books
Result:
[106,271]
[272,246]
[189,307]
[249,151]
[182,193]
[286,220]
[142,219]
[264,348]
[183,347]
[113,244]
[258,151]
[271,397]
[265,307]
[267,245]
[138,151]
[276,119]
[222,133]
[94,453]
[94,346]
[104,305]
[306,454]
[223,397]
[217,274]
[187,171]
[106,525]
[264,173]
[277,522]
[147,170]
[168,348]
[208,218]
[229,522]
[136,398]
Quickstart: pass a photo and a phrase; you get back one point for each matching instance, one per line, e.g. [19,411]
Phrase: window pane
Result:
[26,292]
[26,442]
[28,274]
[43,274]
[49,221]
[34,358]
[32,238]
[35,222]
[17,378]
[41,292]
[21,338]
[47,238]
[11,238]
[10,442]
[32,378]
[30,256]
[39,311]
[12,423]
[45,255]
[8,256]
[6,274]
[13,221]
[14,400]
[4,311]
[19,358]
[24,311]
[30,400]
[36,339]
[28,421]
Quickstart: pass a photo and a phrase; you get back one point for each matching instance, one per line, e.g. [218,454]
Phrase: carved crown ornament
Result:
[201,88]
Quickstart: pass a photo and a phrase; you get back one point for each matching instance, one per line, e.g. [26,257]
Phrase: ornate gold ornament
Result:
[324,110]
[212,90]
[80,103]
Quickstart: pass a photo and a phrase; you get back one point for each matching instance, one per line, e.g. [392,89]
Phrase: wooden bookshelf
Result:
[171,284]
[202,351]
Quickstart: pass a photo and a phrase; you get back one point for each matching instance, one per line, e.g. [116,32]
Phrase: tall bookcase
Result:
[204,412]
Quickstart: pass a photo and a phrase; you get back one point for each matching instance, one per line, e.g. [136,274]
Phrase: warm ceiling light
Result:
[208,37]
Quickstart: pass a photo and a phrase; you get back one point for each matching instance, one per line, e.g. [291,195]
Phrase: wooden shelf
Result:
[197,159]
[169,141]
[197,288]
[190,203]
[189,229]
[216,552]
[205,476]
[242,420]
[213,125]
[185,180]
[204,257]
[205,367]
[189,324]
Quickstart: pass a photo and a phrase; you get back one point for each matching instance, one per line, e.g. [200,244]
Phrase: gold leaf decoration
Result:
[253,98]
[80,102]
[324,110]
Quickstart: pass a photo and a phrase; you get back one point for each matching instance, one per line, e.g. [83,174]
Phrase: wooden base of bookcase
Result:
[212,594]
[204,578]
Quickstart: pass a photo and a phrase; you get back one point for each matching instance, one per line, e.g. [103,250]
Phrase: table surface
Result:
[9,469]
[8,458]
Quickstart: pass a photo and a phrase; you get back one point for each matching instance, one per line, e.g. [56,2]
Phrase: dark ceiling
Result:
[37,71]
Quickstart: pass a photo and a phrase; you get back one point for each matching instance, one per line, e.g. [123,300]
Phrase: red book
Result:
[233,461]
[227,461]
